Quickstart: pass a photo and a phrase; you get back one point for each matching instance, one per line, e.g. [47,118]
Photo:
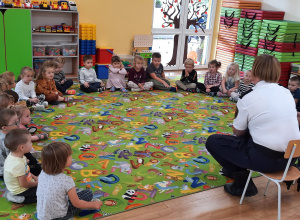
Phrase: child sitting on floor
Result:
[62,84]
[17,177]
[155,74]
[137,76]
[293,86]
[245,85]
[212,80]
[188,80]
[26,92]
[10,78]
[230,81]
[25,119]
[46,85]
[5,101]
[56,194]
[87,77]
[9,121]
[116,75]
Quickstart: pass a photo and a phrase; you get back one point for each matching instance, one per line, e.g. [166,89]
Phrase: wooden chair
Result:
[289,174]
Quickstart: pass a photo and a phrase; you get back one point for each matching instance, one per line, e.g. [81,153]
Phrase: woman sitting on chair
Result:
[266,120]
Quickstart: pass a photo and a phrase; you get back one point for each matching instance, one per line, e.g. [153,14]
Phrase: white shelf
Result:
[54,56]
[56,34]
[42,10]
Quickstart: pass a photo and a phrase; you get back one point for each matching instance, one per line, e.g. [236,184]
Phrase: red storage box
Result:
[104,55]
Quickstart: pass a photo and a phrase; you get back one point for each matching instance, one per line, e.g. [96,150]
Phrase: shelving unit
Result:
[51,18]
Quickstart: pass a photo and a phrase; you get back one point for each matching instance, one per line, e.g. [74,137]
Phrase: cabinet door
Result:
[2,46]
[17,23]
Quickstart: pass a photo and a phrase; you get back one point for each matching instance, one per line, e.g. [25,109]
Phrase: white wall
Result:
[291,8]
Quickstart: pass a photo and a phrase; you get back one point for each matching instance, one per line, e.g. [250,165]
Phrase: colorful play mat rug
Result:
[134,149]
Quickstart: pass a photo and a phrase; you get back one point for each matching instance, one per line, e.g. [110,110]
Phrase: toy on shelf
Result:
[63,5]
[68,49]
[48,29]
[44,5]
[72,6]
[42,29]
[59,28]
[1,3]
[39,50]
[53,29]
[17,4]
[35,5]
[54,5]
[72,29]
[8,3]
[53,50]
[27,4]
[143,41]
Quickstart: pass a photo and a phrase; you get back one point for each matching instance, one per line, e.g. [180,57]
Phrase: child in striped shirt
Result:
[245,85]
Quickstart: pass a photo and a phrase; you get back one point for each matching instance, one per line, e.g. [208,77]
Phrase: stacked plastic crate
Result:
[282,40]
[248,35]
[230,17]
[87,42]
[227,36]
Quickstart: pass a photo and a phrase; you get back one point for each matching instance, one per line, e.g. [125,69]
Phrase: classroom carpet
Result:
[134,149]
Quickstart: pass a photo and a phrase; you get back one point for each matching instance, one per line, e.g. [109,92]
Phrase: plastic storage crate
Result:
[102,71]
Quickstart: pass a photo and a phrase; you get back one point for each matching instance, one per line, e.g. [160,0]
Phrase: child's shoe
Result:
[173,89]
[135,90]
[124,90]
[38,107]
[220,94]
[68,99]
[212,93]
[45,103]
[10,197]
[29,103]
[190,90]
[101,89]
[70,92]
[112,89]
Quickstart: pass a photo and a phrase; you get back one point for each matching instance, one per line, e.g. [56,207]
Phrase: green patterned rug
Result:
[134,149]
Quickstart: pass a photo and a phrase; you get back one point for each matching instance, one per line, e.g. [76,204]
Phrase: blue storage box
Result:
[102,71]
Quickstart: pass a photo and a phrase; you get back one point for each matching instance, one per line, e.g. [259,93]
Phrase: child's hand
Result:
[101,83]
[186,74]
[225,91]
[86,85]
[166,84]
[62,82]
[97,204]
[34,177]
[207,90]
[122,66]
[56,93]
[35,100]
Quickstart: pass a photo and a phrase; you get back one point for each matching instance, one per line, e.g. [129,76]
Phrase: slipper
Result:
[112,89]
[43,136]
[32,129]
[124,90]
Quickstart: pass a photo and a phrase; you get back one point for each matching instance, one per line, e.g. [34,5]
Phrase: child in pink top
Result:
[116,75]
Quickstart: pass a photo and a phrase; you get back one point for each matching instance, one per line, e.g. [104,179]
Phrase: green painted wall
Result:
[2,46]
[18,39]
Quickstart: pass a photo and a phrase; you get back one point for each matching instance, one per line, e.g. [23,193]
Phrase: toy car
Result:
[72,6]
[44,5]
[48,29]
[72,29]
[63,5]
[1,3]
[17,4]
[35,5]
[8,3]
[59,28]
[27,4]
[53,29]
[54,5]
[42,29]
[66,28]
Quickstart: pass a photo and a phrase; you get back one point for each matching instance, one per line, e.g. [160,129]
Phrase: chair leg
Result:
[267,187]
[246,186]
[279,199]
